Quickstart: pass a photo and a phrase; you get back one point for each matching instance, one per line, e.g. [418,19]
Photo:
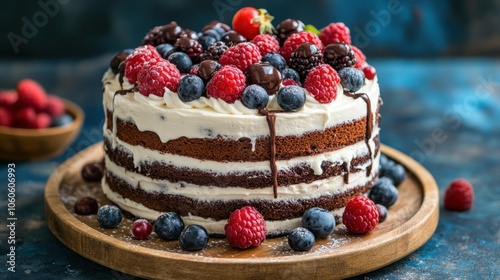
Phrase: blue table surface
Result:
[459,98]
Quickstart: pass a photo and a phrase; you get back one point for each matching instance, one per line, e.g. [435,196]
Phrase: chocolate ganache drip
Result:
[369,124]
[271,122]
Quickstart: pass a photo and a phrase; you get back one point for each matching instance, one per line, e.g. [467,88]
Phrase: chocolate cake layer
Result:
[221,209]
[302,173]
[221,149]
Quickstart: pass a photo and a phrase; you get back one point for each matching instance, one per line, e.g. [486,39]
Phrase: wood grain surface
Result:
[410,223]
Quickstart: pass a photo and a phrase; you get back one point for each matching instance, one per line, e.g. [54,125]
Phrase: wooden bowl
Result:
[35,144]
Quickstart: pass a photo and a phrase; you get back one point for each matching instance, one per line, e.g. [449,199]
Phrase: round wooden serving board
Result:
[410,223]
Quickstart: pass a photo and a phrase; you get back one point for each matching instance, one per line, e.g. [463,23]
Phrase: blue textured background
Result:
[426,83]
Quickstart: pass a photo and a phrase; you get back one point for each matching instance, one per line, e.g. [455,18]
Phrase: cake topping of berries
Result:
[241,56]
[335,33]
[162,34]
[141,229]
[459,195]
[153,79]
[189,46]
[181,61]
[264,75]
[117,59]
[216,25]
[360,215]
[138,59]
[164,50]
[322,83]
[352,79]
[360,57]
[251,22]
[254,97]
[296,40]
[304,58]
[232,38]
[207,69]
[188,33]
[276,60]
[227,84]
[190,88]
[287,28]
[266,43]
[290,74]
[369,72]
[339,55]
[245,228]
[291,98]
[215,51]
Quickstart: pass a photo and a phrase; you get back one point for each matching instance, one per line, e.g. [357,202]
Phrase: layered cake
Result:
[202,124]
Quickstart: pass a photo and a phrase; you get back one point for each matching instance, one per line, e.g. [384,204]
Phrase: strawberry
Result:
[251,22]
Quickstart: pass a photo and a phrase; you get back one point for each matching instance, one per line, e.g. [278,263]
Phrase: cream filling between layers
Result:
[171,118]
[212,226]
[143,155]
[329,186]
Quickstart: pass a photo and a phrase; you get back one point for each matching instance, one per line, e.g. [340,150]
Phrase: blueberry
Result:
[275,60]
[382,212]
[384,192]
[62,120]
[193,238]
[254,97]
[385,162]
[291,98]
[352,79]
[301,239]
[206,41]
[164,49]
[319,221]
[290,74]
[109,216]
[191,87]
[396,172]
[169,226]
[212,33]
[181,60]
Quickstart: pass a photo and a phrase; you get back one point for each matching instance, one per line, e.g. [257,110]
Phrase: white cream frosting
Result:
[171,118]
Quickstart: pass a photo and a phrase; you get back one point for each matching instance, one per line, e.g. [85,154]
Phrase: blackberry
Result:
[287,28]
[339,55]
[162,34]
[189,46]
[215,51]
[232,38]
[304,58]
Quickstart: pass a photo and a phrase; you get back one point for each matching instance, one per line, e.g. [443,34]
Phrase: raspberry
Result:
[266,44]
[459,195]
[245,228]
[322,83]
[360,57]
[41,120]
[5,117]
[215,51]
[227,84]
[54,107]
[24,117]
[242,56]
[8,98]
[138,59]
[296,40]
[335,33]
[153,78]
[31,94]
[360,215]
